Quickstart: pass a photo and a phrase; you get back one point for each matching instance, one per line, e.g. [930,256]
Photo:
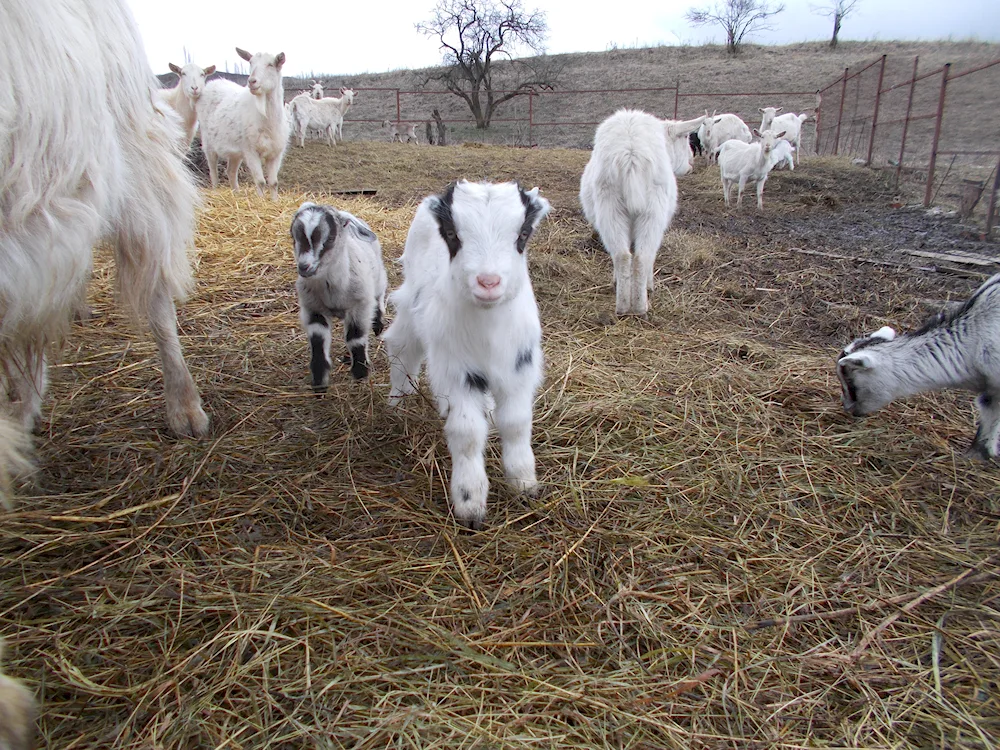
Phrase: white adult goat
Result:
[717,129]
[790,124]
[182,97]
[747,162]
[325,115]
[341,275]
[84,156]
[954,349]
[629,194]
[467,305]
[246,123]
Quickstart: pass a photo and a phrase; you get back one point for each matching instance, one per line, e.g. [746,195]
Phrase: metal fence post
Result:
[878,99]
[677,98]
[937,135]
[399,110]
[906,120]
[819,114]
[840,115]
[991,209]
[531,118]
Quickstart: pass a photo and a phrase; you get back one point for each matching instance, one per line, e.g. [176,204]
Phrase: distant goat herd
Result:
[94,152]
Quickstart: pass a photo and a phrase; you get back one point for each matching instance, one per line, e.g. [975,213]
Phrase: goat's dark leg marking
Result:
[377,320]
[357,342]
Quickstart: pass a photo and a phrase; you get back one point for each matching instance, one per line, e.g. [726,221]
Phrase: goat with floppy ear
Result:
[954,349]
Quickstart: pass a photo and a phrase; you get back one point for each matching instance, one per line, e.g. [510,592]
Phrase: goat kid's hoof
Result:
[190,422]
[359,371]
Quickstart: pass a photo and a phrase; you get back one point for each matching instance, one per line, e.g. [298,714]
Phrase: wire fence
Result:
[937,128]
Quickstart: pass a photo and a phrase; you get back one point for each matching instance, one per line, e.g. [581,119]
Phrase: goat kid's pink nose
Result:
[488,280]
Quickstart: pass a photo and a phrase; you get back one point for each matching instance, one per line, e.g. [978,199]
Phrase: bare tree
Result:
[475,36]
[737,17]
[838,10]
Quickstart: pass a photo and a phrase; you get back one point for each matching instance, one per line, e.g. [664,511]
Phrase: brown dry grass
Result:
[295,581]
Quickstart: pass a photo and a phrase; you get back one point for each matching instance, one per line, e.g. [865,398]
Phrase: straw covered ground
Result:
[721,558]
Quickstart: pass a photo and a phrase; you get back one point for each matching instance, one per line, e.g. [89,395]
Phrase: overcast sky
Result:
[346,36]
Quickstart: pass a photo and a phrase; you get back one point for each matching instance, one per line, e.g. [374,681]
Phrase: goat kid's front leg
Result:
[184,413]
[271,168]
[465,429]
[256,171]
[512,417]
[318,330]
[985,444]
[356,330]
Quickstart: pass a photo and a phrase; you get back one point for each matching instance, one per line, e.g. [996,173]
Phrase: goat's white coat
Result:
[955,349]
[343,279]
[717,129]
[17,712]
[789,123]
[629,195]
[474,318]
[747,162]
[783,155]
[246,123]
[182,97]
[84,156]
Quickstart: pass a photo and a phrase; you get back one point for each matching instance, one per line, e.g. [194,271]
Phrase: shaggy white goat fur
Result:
[325,115]
[84,156]
[246,123]
[629,194]
[721,128]
[17,712]
[467,306]
[783,155]
[341,275]
[182,97]
[954,349]
[790,123]
[747,162]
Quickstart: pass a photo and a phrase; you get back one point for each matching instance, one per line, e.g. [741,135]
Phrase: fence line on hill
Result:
[890,114]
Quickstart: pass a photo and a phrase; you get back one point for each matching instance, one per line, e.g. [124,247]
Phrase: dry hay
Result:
[295,581]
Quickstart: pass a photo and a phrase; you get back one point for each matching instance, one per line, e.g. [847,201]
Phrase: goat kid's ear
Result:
[174,68]
[244,54]
[756,132]
[209,70]
[279,60]
[781,134]
[777,109]
[760,109]
[855,362]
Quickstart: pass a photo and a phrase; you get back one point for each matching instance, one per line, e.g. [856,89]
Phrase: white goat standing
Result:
[392,130]
[326,115]
[182,97]
[17,712]
[790,124]
[85,157]
[747,162]
[246,123]
[954,349]
[467,305]
[341,275]
[717,129]
[629,195]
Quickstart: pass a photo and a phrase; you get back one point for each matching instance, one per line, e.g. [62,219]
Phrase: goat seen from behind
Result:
[341,275]
[959,349]
[466,306]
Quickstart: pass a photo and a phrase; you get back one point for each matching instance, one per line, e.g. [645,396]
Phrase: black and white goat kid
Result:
[959,348]
[341,275]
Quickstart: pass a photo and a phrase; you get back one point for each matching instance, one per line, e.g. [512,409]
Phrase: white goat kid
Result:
[246,123]
[17,712]
[717,129]
[747,162]
[790,123]
[783,155]
[392,130]
[341,275]
[467,306]
[182,97]
[629,195]
[85,157]
[954,349]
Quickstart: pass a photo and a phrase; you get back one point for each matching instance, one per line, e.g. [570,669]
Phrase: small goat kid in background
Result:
[341,275]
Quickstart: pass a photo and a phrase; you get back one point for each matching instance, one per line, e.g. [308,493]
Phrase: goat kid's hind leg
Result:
[985,444]
[406,354]
[233,171]
[647,243]
[26,380]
